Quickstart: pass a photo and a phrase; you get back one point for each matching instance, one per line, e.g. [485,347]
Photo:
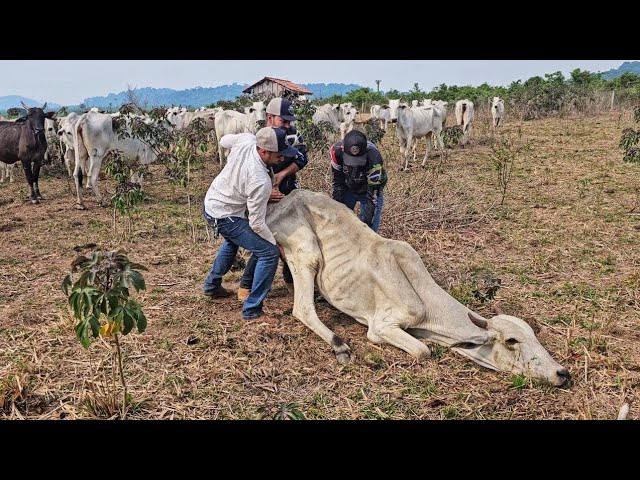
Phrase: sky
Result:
[68,82]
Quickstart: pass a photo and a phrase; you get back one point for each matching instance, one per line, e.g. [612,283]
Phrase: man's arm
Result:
[259,192]
[338,181]
[376,180]
[229,140]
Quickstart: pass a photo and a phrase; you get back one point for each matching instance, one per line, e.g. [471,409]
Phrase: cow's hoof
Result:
[343,358]
[35,201]
[80,206]
[425,355]
[40,197]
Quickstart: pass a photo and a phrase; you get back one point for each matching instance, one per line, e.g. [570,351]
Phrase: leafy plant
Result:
[630,140]
[100,300]
[503,156]
[451,136]
[283,411]
[128,195]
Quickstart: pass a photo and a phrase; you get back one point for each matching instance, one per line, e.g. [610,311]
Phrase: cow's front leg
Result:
[36,177]
[305,311]
[26,166]
[387,330]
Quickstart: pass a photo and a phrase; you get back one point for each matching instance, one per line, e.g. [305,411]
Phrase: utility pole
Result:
[378,84]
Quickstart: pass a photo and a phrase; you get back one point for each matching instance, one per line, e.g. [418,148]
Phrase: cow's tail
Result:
[77,131]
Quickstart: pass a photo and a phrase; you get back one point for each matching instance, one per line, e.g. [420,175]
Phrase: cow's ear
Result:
[50,115]
[445,103]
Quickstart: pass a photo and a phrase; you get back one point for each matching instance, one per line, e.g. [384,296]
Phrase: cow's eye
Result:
[511,342]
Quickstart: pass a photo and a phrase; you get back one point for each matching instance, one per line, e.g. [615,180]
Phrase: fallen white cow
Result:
[383,284]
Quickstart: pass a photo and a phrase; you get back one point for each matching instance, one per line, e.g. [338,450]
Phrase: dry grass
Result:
[565,245]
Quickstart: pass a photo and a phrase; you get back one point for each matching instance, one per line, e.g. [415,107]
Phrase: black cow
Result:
[24,141]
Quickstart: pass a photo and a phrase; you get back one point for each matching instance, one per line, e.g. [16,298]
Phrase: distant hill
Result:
[14,101]
[200,96]
[631,67]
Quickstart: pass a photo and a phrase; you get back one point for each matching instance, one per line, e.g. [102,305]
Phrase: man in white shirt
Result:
[244,184]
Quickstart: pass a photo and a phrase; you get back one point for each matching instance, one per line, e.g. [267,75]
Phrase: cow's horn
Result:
[477,320]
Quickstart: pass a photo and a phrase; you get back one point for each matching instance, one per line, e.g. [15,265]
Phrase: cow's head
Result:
[511,346]
[495,102]
[35,118]
[393,109]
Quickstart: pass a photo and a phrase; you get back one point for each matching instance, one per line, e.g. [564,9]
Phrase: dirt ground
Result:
[564,245]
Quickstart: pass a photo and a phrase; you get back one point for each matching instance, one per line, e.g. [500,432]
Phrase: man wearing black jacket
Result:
[359,176]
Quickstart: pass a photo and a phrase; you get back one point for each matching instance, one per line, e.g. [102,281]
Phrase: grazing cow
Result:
[24,141]
[383,284]
[464,118]
[6,171]
[414,123]
[497,111]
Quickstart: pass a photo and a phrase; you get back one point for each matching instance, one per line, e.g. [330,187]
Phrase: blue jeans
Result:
[237,233]
[350,199]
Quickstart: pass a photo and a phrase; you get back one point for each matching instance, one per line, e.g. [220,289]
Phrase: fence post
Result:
[613,95]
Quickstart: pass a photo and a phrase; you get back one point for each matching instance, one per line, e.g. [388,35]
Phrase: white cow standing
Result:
[230,121]
[66,130]
[497,111]
[464,118]
[414,123]
[383,284]
[381,112]
[348,123]
[7,171]
[327,113]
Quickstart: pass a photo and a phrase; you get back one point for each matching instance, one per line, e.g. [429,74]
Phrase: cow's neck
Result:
[446,320]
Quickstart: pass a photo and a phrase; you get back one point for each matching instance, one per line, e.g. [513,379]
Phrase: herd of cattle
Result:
[85,139]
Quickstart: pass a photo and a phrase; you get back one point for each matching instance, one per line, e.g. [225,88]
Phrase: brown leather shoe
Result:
[243,293]
[219,292]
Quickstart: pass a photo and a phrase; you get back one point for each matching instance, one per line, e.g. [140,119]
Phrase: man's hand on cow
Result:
[282,256]
[277,178]
[276,195]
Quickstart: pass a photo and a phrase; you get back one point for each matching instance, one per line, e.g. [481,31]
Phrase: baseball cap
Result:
[355,149]
[282,108]
[274,139]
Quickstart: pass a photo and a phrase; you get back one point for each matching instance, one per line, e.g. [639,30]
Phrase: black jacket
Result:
[288,183]
[369,178]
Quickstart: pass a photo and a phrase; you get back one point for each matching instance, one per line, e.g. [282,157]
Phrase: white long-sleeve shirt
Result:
[243,184]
